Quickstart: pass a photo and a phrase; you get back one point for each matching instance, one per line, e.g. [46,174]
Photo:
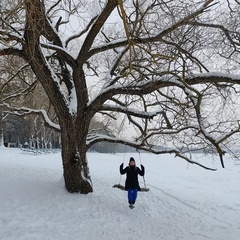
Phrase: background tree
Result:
[19,87]
[12,90]
[156,62]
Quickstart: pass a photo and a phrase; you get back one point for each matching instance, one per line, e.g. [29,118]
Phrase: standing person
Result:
[131,184]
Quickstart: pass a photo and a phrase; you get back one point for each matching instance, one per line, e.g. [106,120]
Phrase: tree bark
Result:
[1,136]
[1,127]
[74,157]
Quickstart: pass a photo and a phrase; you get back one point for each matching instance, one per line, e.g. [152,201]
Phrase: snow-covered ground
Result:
[185,202]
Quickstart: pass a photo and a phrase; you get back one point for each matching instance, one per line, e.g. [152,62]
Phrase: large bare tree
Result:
[164,65]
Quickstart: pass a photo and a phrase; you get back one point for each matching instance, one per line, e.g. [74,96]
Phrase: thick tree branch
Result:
[132,112]
[99,138]
[95,29]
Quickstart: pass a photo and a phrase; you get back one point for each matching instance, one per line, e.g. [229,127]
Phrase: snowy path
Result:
[179,205]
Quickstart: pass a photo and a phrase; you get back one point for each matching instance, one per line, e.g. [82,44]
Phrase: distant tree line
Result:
[28,132]
[23,132]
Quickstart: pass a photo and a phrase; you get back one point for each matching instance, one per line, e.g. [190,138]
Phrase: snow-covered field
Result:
[185,202]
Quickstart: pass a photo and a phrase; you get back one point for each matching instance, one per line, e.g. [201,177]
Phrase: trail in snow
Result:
[192,207]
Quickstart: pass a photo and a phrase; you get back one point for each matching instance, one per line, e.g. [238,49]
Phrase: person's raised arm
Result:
[123,171]
[142,171]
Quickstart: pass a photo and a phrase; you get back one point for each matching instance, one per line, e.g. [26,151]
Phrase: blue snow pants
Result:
[132,195]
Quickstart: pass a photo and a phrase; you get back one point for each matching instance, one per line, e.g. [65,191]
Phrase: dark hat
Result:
[131,159]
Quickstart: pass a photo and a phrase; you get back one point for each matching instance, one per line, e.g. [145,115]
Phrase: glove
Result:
[141,166]
[121,166]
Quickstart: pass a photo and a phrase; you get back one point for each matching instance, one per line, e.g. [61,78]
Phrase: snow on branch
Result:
[148,86]
[215,77]
[22,111]
[10,39]
[132,112]
[61,51]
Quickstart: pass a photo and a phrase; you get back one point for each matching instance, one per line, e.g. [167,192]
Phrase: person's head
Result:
[131,161]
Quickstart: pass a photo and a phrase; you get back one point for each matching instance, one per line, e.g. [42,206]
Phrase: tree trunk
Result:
[1,137]
[1,128]
[74,157]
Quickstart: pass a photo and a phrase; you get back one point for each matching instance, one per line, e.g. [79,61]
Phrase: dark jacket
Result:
[132,176]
